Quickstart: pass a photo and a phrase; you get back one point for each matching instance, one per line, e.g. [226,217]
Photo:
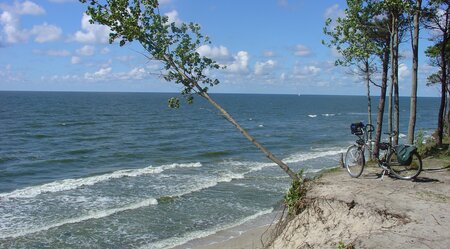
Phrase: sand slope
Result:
[370,213]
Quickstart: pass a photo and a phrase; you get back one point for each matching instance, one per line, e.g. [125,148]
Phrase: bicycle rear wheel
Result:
[405,171]
[354,161]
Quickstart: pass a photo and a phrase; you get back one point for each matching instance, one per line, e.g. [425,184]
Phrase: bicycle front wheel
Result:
[405,171]
[354,161]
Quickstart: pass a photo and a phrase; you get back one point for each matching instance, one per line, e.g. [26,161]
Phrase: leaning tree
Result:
[174,45]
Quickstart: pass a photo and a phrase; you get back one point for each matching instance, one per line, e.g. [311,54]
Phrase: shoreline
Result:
[364,212]
[247,233]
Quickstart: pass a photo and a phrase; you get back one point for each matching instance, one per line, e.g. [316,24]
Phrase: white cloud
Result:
[215,53]
[75,60]
[46,33]
[7,74]
[264,67]
[101,74]
[333,12]
[164,2]
[86,50]
[105,73]
[173,17]
[53,52]
[11,28]
[269,53]
[23,8]
[403,71]
[312,70]
[62,1]
[12,31]
[240,63]
[91,33]
[301,50]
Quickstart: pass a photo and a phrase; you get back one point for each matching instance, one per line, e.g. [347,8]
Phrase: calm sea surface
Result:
[121,170]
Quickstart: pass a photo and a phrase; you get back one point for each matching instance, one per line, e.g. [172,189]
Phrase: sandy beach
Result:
[367,212]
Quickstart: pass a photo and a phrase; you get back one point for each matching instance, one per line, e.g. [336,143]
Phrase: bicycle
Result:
[403,161]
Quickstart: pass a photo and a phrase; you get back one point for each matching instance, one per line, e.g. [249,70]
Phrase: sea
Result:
[122,170]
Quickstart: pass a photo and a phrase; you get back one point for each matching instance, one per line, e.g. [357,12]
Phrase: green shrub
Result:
[295,194]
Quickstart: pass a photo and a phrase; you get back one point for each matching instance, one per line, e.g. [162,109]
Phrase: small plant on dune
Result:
[295,194]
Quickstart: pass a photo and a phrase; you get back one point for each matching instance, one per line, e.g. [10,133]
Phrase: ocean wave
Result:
[69,184]
[92,215]
[312,115]
[177,241]
[328,114]
[304,156]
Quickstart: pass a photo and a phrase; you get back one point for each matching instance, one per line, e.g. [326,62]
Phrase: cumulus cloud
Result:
[302,72]
[101,74]
[173,17]
[301,50]
[23,8]
[240,63]
[86,50]
[216,53]
[106,73]
[46,33]
[12,31]
[264,67]
[91,33]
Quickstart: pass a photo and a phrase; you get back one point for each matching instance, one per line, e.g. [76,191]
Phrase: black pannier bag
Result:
[357,128]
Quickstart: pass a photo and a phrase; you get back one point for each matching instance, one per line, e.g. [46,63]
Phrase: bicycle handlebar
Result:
[369,128]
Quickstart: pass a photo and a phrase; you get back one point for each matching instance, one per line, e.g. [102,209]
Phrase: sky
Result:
[267,46]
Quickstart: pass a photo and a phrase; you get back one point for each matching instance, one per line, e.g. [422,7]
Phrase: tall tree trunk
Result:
[369,102]
[381,103]
[393,89]
[391,85]
[415,63]
[440,125]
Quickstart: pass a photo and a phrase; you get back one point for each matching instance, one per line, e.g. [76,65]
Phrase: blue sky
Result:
[270,46]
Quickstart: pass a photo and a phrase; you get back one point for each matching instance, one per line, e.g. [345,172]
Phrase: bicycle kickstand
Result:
[383,173]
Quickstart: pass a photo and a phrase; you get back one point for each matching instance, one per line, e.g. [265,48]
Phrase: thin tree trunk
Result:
[228,117]
[369,102]
[415,63]
[391,85]
[440,126]
[381,103]
[268,154]
[393,88]
[396,94]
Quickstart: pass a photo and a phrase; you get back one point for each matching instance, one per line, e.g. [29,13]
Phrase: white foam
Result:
[176,241]
[312,115]
[304,156]
[328,114]
[69,184]
[91,215]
